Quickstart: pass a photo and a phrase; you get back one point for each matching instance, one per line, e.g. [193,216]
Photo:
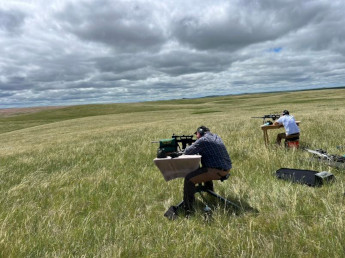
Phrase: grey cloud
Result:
[120,63]
[5,94]
[134,74]
[125,26]
[11,20]
[246,24]
[168,86]
[172,63]
[181,62]
[15,84]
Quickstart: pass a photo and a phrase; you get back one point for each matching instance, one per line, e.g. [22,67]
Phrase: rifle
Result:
[184,140]
[331,159]
[271,116]
[173,146]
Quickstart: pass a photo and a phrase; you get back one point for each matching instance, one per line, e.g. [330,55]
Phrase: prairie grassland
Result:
[80,181]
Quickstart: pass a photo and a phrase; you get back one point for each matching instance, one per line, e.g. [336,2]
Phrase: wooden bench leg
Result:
[266,137]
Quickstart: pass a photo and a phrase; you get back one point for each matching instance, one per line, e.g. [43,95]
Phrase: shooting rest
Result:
[264,128]
[172,212]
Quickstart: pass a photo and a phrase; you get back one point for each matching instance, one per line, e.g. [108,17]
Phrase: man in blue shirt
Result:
[215,160]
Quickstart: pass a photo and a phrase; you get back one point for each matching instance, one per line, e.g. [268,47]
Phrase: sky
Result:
[71,52]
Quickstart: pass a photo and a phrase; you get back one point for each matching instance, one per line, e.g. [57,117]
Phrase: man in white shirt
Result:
[291,129]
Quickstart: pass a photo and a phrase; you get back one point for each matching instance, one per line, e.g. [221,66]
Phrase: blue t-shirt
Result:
[212,150]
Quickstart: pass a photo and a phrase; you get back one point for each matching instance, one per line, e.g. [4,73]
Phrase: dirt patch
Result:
[6,112]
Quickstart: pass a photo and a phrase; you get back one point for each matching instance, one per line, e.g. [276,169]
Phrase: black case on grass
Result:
[308,177]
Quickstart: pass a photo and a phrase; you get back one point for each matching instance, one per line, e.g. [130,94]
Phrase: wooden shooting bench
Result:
[265,128]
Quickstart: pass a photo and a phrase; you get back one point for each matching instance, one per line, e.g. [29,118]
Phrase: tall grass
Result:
[85,184]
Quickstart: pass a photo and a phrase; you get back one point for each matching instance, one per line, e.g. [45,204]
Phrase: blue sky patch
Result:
[275,50]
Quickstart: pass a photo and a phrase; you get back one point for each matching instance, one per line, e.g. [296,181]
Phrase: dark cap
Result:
[286,112]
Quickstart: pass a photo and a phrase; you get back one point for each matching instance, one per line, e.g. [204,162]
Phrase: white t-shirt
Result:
[289,124]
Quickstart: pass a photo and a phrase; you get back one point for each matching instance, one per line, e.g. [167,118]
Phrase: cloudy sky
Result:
[66,52]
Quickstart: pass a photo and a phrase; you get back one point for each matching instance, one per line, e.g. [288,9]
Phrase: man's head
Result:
[285,112]
[200,132]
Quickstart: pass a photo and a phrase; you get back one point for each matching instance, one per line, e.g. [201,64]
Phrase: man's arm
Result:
[278,122]
[195,148]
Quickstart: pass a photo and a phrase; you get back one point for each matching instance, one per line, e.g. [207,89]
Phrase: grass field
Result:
[80,181]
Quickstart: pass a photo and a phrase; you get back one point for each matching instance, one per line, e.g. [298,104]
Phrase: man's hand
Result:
[176,154]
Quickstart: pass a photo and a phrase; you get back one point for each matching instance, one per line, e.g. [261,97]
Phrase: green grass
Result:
[80,181]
